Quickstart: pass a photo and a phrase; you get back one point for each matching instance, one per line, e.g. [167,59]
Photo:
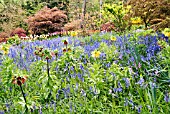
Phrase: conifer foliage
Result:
[46,21]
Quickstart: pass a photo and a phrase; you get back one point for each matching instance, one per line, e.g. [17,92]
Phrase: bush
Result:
[46,21]
[18,31]
[154,13]
[4,35]
[74,25]
[116,13]
[109,26]
[14,40]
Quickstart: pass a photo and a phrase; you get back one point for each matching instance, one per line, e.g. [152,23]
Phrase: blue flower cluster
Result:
[23,54]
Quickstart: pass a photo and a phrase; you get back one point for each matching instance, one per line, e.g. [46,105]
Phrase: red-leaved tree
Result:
[46,21]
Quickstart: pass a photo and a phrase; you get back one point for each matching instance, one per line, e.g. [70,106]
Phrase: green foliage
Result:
[31,7]
[60,4]
[15,40]
[116,13]
[165,53]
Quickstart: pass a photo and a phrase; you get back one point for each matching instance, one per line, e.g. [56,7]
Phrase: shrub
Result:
[116,13]
[152,12]
[18,31]
[74,25]
[109,26]
[4,35]
[14,40]
[46,21]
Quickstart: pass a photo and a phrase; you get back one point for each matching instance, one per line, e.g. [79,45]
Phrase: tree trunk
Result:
[83,13]
[101,3]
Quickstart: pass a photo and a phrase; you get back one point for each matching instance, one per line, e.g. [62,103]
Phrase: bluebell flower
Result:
[72,68]
[108,65]
[51,104]
[85,61]
[81,67]
[119,84]
[83,93]
[117,89]
[120,56]
[160,35]
[143,58]
[57,96]
[113,74]
[127,82]
[139,109]
[102,55]
[7,106]
[77,86]
[40,110]
[90,88]
[71,107]
[54,106]
[74,75]
[166,97]
[126,102]
[141,82]
[2,112]
[10,89]
[153,85]
[79,75]
[66,92]
[67,79]
[34,107]
[132,103]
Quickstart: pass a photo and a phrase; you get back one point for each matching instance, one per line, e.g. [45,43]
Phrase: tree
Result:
[11,15]
[152,12]
[46,21]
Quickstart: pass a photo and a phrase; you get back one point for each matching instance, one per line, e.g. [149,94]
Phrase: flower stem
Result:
[24,98]
[66,48]
[48,71]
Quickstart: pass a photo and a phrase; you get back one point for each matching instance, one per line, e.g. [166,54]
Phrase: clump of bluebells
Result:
[107,74]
